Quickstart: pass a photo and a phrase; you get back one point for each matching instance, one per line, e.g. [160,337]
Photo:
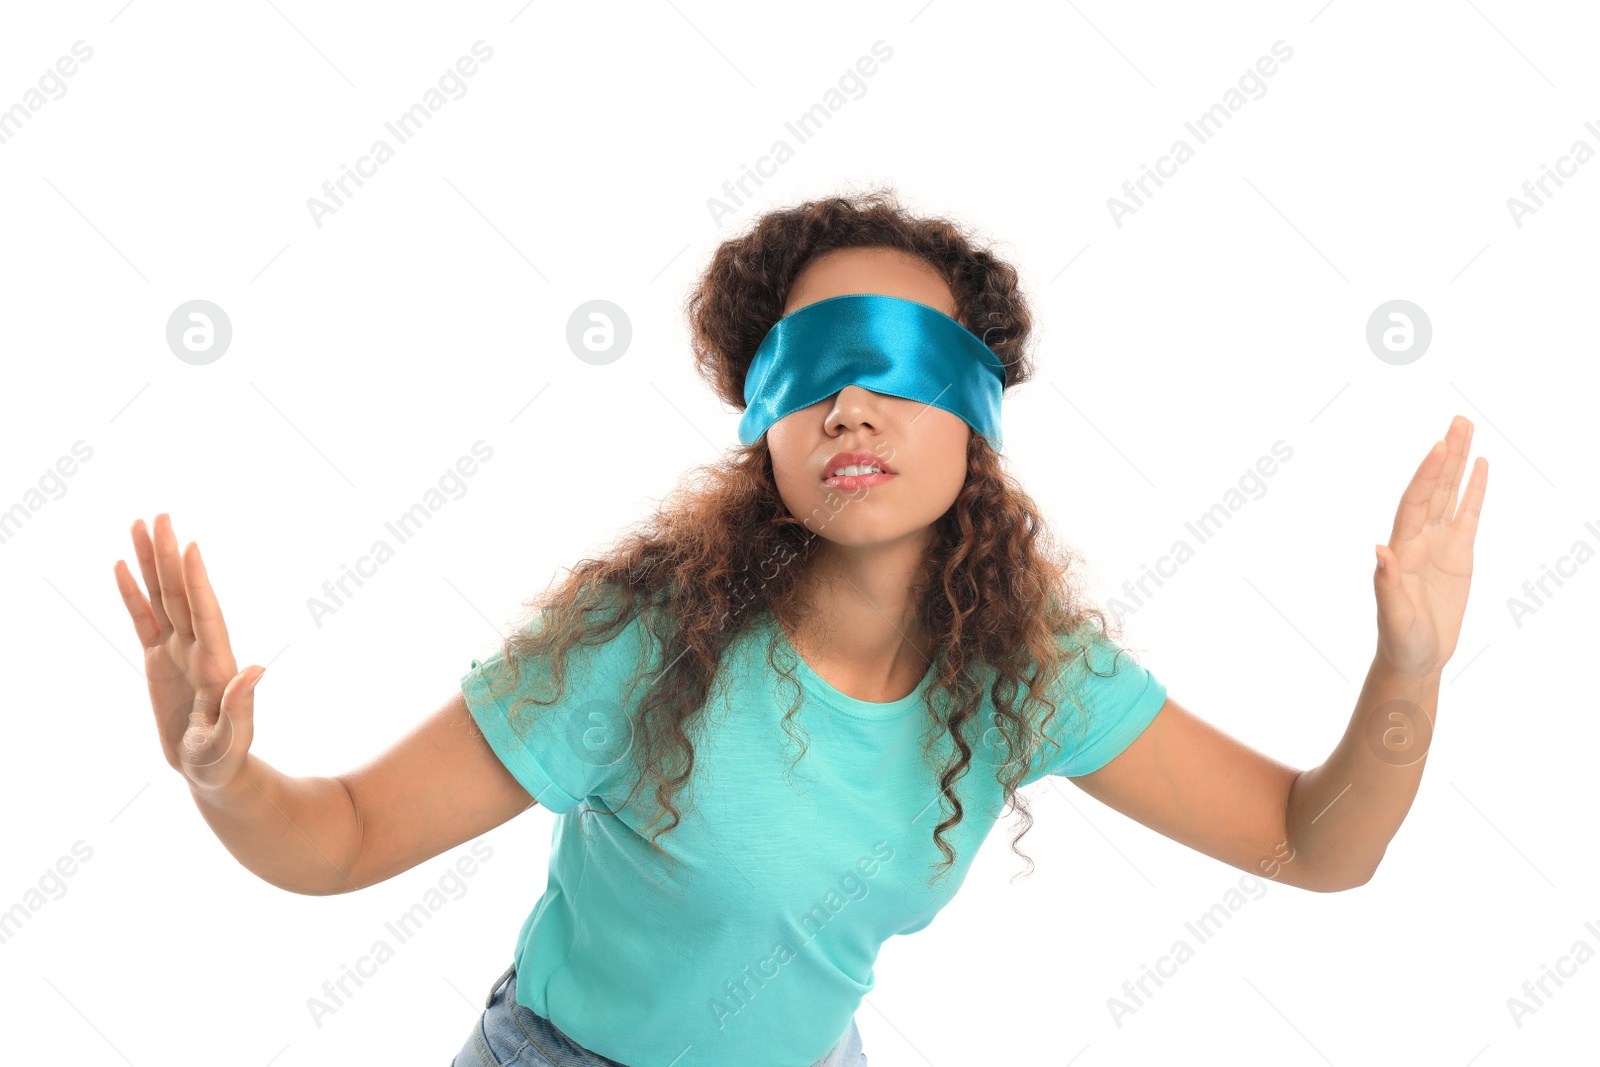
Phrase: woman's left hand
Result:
[1426,568]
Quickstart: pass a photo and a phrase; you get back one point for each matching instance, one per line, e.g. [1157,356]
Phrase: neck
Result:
[860,616]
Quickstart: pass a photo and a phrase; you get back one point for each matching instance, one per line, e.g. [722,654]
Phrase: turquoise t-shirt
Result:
[759,946]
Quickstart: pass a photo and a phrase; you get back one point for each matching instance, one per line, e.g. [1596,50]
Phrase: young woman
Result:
[775,723]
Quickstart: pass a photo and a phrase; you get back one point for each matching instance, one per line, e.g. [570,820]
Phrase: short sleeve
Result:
[574,748]
[1115,710]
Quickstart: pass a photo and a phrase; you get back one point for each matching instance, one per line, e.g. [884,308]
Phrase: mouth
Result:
[851,482]
[856,470]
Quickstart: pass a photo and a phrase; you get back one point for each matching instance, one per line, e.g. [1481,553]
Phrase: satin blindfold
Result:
[883,344]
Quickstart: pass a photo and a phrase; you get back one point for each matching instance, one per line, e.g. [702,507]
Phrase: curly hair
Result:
[996,592]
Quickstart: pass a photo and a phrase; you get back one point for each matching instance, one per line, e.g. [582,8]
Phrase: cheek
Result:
[790,468]
[953,463]
[949,444]
[790,436]
[781,447]
[954,470]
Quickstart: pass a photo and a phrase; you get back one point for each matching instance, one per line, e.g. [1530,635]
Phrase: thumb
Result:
[1387,572]
[206,750]
[239,698]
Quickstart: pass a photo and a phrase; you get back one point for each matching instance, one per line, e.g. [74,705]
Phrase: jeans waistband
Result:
[498,982]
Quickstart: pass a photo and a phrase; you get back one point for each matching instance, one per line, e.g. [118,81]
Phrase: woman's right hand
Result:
[204,706]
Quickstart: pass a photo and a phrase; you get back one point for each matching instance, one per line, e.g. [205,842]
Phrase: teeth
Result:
[857,470]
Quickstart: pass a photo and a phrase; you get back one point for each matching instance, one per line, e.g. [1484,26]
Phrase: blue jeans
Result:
[510,1035]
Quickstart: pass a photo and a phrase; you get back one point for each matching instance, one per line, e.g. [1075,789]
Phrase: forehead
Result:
[884,271]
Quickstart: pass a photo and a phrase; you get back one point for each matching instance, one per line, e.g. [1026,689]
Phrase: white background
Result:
[429,312]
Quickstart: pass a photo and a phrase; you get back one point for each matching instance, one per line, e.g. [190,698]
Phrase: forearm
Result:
[1343,813]
[299,834]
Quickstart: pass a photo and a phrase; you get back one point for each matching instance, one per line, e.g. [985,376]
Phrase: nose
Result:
[855,406]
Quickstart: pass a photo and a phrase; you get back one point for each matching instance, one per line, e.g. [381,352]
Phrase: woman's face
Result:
[924,446]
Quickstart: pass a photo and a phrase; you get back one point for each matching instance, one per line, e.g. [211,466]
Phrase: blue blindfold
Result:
[881,343]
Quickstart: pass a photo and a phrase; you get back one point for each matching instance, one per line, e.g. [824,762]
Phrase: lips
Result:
[856,458]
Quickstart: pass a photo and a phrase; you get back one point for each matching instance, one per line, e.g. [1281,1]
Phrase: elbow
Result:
[1340,888]
[1319,878]
[1340,885]
[320,891]
[1363,880]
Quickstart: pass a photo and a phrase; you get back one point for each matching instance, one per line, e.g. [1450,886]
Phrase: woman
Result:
[776,722]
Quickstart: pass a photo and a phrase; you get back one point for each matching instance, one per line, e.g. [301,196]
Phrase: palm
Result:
[188,667]
[187,657]
[1422,591]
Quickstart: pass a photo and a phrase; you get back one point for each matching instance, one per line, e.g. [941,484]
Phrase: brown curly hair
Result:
[995,591]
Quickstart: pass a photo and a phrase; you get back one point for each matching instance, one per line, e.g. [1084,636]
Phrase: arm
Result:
[436,787]
[1327,828]
[1193,783]
[1344,813]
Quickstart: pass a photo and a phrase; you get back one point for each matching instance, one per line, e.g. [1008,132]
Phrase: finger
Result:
[1466,517]
[232,729]
[144,620]
[1443,501]
[205,612]
[1413,510]
[205,745]
[1451,504]
[1385,569]
[1389,591]
[146,554]
[170,569]
[239,698]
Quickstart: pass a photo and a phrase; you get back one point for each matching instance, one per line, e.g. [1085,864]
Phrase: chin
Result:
[841,531]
